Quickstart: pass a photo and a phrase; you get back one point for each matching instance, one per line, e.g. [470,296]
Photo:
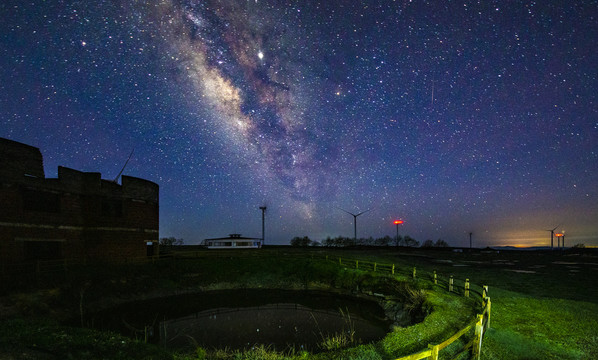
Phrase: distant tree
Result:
[171,241]
[327,241]
[441,243]
[384,241]
[340,241]
[428,243]
[579,246]
[301,241]
[367,242]
[410,242]
[398,240]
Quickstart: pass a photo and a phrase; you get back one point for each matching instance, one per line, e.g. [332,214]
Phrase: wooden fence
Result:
[478,325]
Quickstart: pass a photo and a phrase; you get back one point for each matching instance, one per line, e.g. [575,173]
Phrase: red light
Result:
[397,222]
[558,235]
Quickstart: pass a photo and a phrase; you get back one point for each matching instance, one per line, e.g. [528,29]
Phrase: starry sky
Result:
[454,116]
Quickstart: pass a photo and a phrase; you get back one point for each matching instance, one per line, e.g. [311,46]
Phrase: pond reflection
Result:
[240,319]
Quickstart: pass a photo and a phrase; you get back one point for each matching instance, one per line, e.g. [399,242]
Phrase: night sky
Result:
[456,117]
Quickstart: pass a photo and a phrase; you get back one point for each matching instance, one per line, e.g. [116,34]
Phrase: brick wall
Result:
[80,214]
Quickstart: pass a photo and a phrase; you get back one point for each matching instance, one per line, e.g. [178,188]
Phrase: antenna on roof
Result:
[124,166]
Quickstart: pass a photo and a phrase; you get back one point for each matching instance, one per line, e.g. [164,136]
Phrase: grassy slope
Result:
[551,313]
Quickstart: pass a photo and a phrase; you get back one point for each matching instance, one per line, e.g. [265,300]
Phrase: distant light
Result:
[260,55]
[397,222]
[559,234]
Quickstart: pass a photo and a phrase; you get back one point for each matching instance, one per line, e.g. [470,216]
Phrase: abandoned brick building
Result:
[76,216]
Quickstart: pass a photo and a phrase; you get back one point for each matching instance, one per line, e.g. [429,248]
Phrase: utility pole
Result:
[263,208]
[470,243]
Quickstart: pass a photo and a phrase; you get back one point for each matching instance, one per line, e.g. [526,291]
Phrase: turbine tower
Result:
[552,236]
[355,221]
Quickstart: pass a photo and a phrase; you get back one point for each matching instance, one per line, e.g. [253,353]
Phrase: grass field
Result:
[543,303]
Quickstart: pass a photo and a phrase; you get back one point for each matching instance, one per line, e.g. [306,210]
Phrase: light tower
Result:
[397,223]
[558,239]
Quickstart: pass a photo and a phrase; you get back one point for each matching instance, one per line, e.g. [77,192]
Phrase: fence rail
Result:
[459,286]
[479,324]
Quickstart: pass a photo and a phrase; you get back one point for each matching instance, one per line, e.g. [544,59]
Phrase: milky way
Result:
[243,72]
[455,117]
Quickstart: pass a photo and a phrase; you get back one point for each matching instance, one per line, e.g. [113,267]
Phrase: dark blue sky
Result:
[456,117]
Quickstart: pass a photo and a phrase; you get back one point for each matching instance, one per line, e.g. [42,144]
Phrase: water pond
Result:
[239,319]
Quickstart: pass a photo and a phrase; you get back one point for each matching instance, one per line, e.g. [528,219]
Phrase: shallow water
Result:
[238,319]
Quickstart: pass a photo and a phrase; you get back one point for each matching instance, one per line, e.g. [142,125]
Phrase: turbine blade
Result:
[345,211]
[363,212]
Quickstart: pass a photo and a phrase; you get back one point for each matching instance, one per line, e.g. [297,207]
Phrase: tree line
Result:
[342,241]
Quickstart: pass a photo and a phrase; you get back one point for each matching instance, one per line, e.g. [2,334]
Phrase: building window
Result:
[40,201]
[112,208]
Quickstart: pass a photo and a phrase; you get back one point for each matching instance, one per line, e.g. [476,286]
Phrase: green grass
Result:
[549,314]
[44,339]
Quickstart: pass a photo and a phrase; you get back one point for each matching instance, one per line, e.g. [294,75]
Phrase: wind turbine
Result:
[552,236]
[355,221]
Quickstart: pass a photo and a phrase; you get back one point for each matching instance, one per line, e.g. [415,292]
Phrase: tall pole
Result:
[397,223]
[470,240]
[263,208]
[354,227]
[552,237]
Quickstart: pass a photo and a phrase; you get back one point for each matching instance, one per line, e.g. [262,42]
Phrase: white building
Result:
[233,241]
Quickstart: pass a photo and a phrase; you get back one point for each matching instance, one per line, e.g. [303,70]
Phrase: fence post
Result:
[374,267]
[435,278]
[357,264]
[435,349]
[485,292]
[451,284]
[488,309]
[466,287]
[340,261]
[393,269]
[477,343]
[414,272]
